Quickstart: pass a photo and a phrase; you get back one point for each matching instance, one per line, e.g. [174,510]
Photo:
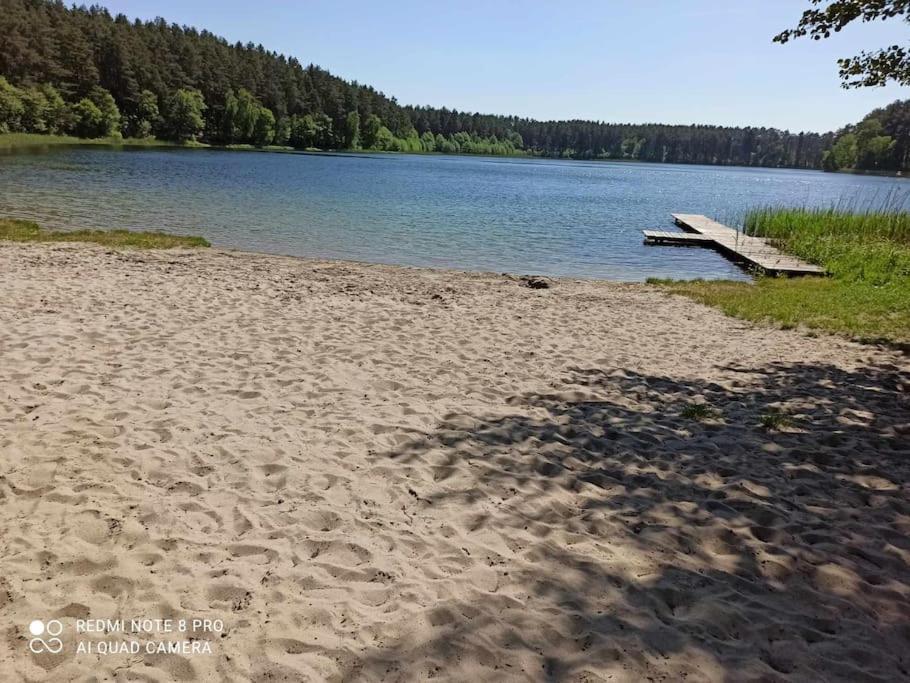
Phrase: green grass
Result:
[26,231]
[259,148]
[18,140]
[775,420]
[698,411]
[866,297]
[22,140]
[871,247]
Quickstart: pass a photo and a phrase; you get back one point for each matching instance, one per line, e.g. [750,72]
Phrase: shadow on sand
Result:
[630,541]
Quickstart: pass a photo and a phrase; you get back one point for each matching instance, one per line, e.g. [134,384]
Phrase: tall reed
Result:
[870,245]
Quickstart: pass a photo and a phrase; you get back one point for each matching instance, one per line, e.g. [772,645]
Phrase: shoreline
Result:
[37,140]
[667,288]
[765,301]
[365,471]
[442,270]
[212,248]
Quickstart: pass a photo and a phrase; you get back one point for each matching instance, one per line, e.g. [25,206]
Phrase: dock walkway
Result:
[756,251]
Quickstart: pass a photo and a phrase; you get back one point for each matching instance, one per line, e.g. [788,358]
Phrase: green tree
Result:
[829,163]
[873,147]
[877,152]
[145,118]
[184,120]
[282,131]
[427,142]
[412,141]
[352,131]
[57,115]
[110,114]
[88,120]
[303,131]
[264,127]
[844,151]
[11,107]
[463,142]
[868,68]
[371,129]
[325,135]
[228,129]
[247,115]
[386,141]
[34,111]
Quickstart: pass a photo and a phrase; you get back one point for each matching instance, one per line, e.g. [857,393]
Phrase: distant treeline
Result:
[81,71]
[643,142]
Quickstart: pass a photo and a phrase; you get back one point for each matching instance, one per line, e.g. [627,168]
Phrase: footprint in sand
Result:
[239,598]
[112,585]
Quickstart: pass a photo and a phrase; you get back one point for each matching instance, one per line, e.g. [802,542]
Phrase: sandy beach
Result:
[377,473]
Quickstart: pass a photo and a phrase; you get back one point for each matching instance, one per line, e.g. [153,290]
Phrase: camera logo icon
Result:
[45,636]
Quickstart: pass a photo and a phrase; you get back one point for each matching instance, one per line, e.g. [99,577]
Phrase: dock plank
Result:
[668,237]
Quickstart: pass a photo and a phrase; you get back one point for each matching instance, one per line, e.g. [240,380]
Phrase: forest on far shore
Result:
[81,71]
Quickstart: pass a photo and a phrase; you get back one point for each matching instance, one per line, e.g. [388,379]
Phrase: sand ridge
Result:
[381,473]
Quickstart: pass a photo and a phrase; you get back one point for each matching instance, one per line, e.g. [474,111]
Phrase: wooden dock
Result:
[754,251]
[678,238]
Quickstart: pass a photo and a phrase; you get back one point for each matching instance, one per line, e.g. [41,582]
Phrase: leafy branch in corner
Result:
[868,69]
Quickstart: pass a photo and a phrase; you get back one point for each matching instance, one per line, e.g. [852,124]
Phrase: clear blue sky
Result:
[690,61]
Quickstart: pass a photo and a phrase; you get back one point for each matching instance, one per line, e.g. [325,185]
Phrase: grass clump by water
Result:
[260,148]
[24,140]
[867,254]
[26,231]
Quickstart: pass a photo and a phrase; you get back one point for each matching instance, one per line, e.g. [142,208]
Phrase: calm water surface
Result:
[517,215]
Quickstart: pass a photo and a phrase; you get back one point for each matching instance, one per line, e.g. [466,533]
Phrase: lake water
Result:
[505,215]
